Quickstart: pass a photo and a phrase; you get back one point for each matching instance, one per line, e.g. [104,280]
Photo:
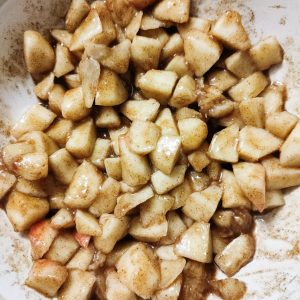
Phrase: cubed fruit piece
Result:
[193,132]
[230,30]
[221,109]
[266,53]
[199,160]
[113,229]
[181,193]
[63,61]
[166,252]
[89,71]
[170,292]
[155,209]
[151,28]
[289,151]
[194,282]
[158,84]
[113,167]
[186,112]
[106,200]
[87,224]
[221,79]
[108,117]
[166,153]
[84,186]
[135,168]
[116,58]
[219,243]
[201,206]
[82,140]
[199,181]
[115,289]
[224,145]
[47,277]
[255,143]
[249,87]
[60,132]
[152,233]
[232,118]
[281,123]
[163,183]
[38,53]
[236,254]
[7,181]
[194,23]
[36,117]
[251,179]
[178,65]
[144,110]
[63,248]
[43,88]
[274,199]
[240,64]
[128,201]
[150,25]
[214,170]
[64,218]
[253,112]
[184,93]
[77,11]
[56,96]
[62,36]
[278,176]
[229,288]
[139,270]
[170,270]
[174,46]
[145,52]
[23,210]
[195,243]
[32,166]
[82,259]
[109,32]
[274,97]
[41,236]
[201,51]
[41,141]
[73,105]
[119,250]
[89,28]
[63,165]
[166,122]
[177,11]
[176,227]
[114,135]
[79,285]
[121,11]
[101,150]
[233,196]
[143,136]
[111,89]
[133,27]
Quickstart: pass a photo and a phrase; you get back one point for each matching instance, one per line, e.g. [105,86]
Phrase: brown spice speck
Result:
[282,21]
[295,251]
[277,6]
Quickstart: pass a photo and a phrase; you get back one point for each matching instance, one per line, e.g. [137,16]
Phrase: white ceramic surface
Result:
[274,272]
